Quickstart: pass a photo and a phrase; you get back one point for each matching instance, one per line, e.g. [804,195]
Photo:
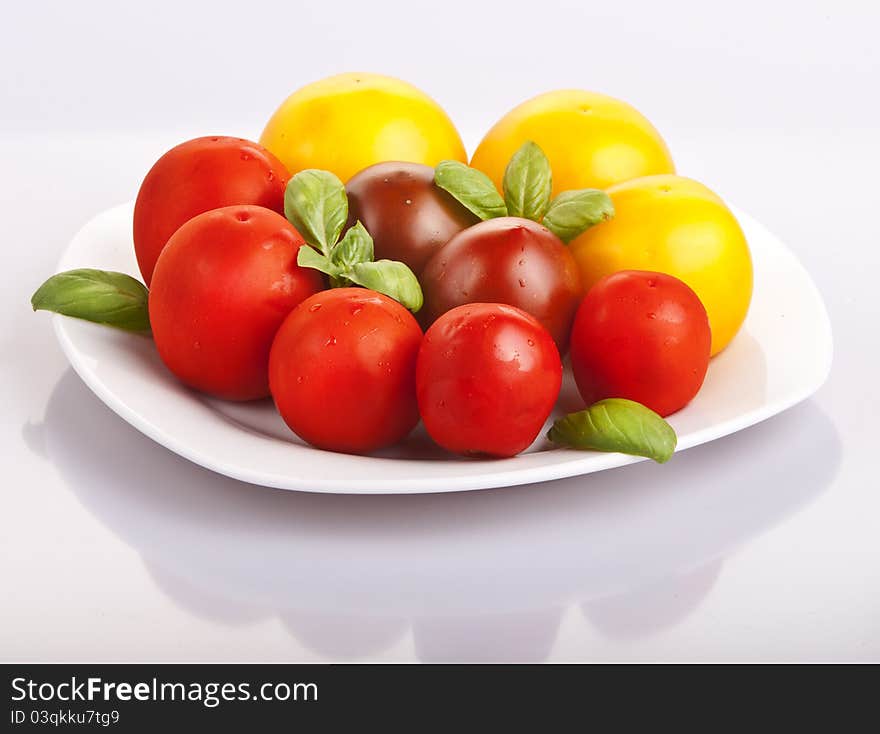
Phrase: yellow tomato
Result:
[675,225]
[592,140]
[347,122]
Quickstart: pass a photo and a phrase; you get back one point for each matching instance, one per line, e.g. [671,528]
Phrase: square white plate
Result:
[781,356]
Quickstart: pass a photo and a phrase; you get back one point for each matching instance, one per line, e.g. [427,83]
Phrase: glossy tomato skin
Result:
[675,225]
[506,260]
[349,121]
[222,287]
[643,336]
[592,140]
[197,176]
[408,216]
[488,376]
[342,370]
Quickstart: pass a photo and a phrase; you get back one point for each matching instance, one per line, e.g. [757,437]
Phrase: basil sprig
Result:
[472,188]
[391,277]
[527,185]
[316,204]
[575,211]
[100,296]
[616,424]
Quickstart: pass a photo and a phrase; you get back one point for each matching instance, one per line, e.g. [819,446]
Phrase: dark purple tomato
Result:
[408,216]
[506,260]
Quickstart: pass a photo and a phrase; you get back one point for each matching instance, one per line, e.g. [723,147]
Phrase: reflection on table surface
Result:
[474,576]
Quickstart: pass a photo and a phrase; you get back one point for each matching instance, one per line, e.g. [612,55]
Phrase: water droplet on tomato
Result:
[652,315]
[522,283]
[314,307]
[331,341]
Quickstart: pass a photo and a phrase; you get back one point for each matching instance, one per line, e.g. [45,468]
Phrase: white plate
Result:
[781,356]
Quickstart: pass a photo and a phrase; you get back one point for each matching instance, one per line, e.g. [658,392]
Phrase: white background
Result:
[764,545]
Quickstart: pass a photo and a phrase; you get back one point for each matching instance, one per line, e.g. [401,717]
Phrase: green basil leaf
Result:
[574,212]
[308,257]
[355,247]
[113,299]
[316,204]
[390,277]
[619,425]
[471,188]
[527,182]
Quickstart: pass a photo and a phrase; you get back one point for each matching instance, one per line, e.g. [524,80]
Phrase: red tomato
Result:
[643,336]
[342,370]
[196,176]
[487,378]
[506,260]
[222,286]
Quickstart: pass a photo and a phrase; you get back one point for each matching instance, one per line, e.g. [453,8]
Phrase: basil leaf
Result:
[471,188]
[316,204]
[620,425]
[308,257]
[355,247]
[112,299]
[574,212]
[390,277]
[527,182]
